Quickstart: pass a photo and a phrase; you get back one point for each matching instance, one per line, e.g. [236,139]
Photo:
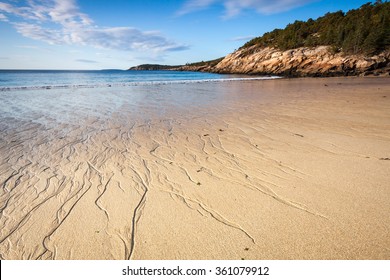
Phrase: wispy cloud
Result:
[3,18]
[235,7]
[61,22]
[195,5]
[242,38]
[86,61]
[28,47]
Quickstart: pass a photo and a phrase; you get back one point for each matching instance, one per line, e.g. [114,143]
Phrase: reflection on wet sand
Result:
[278,169]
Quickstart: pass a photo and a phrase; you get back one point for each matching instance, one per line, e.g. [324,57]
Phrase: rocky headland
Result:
[300,62]
[336,44]
[318,61]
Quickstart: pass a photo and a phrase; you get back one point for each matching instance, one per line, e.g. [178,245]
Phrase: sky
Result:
[118,34]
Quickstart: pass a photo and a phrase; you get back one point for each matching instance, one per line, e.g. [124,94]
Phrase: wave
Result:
[130,84]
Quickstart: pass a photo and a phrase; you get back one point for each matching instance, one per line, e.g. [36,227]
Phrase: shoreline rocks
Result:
[302,62]
[318,61]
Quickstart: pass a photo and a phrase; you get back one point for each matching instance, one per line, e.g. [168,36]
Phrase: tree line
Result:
[364,30]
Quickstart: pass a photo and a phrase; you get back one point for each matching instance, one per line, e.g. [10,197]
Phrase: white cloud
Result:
[31,47]
[60,22]
[3,18]
[37,32]
[235,7]
[8,8]
[195,5]
[86,60]
[67,14]
[242,38]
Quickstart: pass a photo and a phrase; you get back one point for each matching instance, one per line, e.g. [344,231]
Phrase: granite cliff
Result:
[317,61]
[300,62]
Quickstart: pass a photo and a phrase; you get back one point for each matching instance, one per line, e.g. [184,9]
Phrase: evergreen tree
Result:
[364,30]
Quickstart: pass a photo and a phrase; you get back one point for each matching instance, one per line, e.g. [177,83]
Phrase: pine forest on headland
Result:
[362,31]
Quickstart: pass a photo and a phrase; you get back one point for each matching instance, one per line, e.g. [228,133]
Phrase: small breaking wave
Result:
[131,84]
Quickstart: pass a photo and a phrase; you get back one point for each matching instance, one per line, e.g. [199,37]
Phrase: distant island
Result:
[336,44]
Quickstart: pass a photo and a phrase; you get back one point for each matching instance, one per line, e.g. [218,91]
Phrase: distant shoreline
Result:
[301,62]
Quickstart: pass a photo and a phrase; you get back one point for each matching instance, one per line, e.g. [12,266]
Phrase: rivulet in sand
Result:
[277,169]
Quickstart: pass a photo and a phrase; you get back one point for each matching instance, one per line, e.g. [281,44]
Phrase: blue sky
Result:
[117,34]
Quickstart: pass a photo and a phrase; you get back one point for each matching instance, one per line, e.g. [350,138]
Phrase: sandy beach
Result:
[272,169]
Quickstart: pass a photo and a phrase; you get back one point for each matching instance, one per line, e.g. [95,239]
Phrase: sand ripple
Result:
[259,169]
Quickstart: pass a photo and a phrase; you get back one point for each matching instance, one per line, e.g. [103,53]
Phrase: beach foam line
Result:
[129,84]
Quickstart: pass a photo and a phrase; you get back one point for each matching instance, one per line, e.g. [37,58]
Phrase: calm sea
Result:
[52,79]
[56,97]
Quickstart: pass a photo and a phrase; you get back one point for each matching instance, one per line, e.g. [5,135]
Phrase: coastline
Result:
[317,61]
[270,169]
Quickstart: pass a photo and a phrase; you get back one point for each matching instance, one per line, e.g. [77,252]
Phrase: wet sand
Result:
[274,169]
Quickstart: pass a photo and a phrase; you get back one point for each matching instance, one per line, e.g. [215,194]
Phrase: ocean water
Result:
[53,79]
[52,97]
